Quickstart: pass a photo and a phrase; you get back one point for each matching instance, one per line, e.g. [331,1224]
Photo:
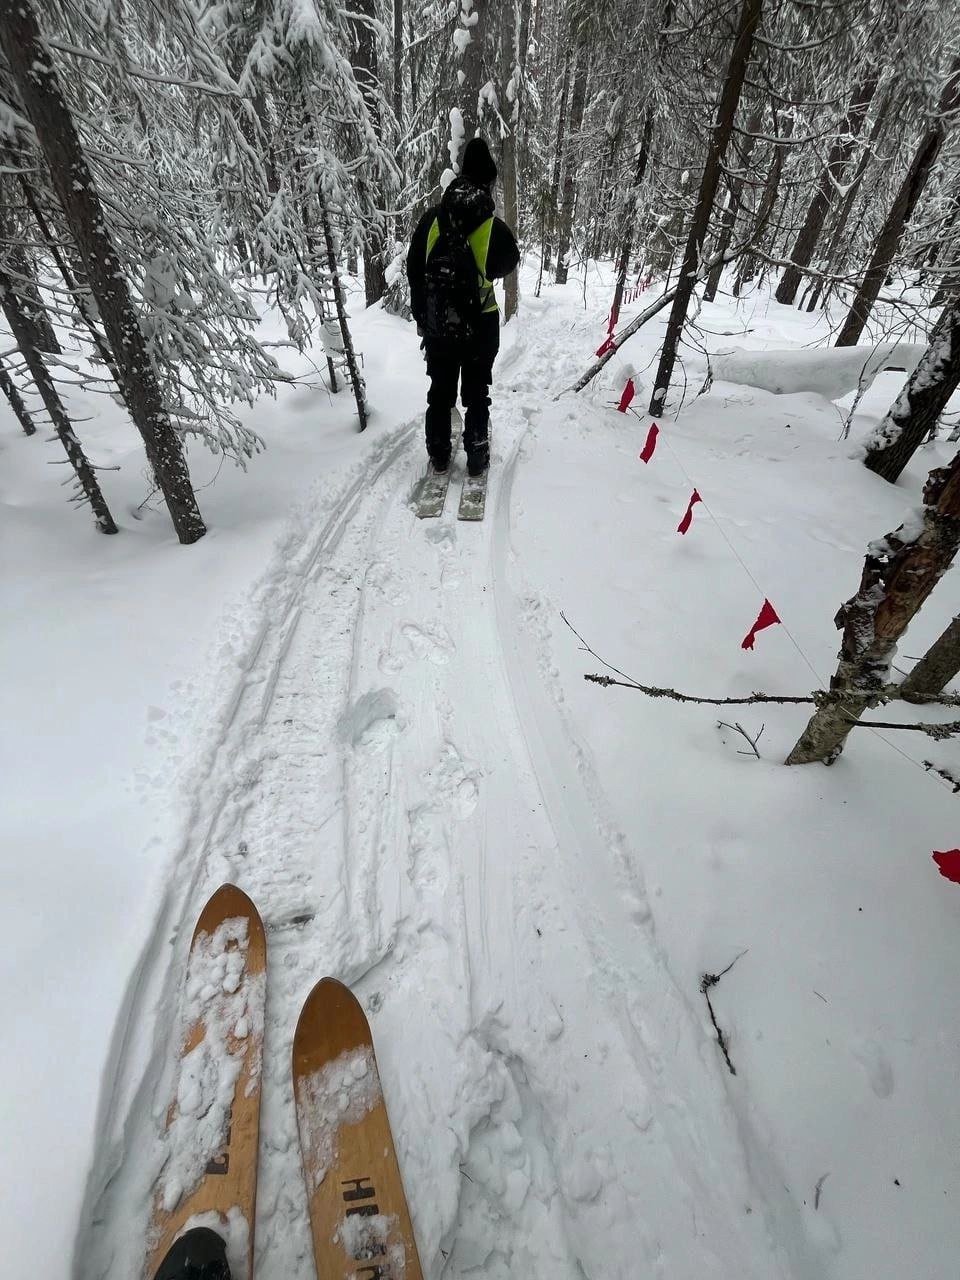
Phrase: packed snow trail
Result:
[403,798]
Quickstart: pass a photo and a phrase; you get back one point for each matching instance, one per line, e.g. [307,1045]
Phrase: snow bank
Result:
[832,372]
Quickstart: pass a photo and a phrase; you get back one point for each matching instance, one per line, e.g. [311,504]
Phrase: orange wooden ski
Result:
[209,1177]
[358,1212]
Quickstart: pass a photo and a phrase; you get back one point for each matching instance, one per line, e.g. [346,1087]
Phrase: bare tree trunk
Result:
[630,211]
[729,220]
[554,198]
[899,572]
[921,402]
[938,666]
[891,233]
[578,97]
[31,303]
[472,68]
[350,355]
[510,69]
[16,402]
[76,289]
[726,113]
[840,153]
[365,70]
[22,335]
[35,75]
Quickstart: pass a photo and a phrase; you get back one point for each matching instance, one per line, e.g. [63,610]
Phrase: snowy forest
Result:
[648,998]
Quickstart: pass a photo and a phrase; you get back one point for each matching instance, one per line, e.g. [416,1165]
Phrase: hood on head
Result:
[466,205]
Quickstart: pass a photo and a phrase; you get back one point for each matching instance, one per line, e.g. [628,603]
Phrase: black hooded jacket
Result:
[466,205]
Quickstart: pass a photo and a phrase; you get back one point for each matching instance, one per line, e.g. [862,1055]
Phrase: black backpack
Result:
[451,287]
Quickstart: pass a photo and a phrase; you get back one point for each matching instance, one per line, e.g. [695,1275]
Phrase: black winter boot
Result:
[199,1255]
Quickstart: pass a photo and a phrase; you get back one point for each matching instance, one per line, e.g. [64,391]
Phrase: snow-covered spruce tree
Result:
[39,88]
[899,572]
[917,409]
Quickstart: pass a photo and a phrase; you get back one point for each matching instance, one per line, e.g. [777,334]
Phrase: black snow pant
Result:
[470,367]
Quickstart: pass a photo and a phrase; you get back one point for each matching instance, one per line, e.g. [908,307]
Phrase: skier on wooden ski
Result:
[458,248]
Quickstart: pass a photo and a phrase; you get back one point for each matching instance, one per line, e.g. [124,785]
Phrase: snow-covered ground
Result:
[379,729]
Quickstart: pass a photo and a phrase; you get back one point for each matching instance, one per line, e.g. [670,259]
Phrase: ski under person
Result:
[458,248]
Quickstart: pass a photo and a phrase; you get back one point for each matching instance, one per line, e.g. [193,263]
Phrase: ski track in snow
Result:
[398,789]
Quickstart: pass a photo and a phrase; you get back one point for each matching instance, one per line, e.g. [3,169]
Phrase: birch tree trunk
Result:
[917,409]
[722,129]
[23,336]
[899,572]
[891,233]
[36,79]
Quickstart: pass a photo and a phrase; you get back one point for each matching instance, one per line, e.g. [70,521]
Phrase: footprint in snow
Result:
[876,1064]
[372,721]
[433,643]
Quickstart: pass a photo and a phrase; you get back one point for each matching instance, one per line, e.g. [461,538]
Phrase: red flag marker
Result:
[627,397]
[606,345]
[949,864]
[765,618]
[646,453]
[687,520]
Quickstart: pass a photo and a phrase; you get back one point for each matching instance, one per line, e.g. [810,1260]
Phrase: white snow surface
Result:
[831,372]
[379,729]
[342,1092]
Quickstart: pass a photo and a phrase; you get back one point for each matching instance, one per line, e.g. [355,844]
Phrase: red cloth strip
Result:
[646,453]
[687,520]
[765,618]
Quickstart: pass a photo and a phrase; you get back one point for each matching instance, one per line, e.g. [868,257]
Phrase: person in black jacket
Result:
[467,206]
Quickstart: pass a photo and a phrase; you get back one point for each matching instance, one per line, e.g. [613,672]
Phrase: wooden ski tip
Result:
[331,1022]
[227,903]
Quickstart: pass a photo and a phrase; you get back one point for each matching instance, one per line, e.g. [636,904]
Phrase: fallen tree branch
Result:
[652,691]
[706,982]
[738,728]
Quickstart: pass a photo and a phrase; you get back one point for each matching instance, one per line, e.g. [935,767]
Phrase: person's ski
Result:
[206,1189]
[432,493]
[473,497]
[358,1211]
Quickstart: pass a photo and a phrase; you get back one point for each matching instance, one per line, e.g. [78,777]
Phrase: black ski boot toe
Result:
[200,1254]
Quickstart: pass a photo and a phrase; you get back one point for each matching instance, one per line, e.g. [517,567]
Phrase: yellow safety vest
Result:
[479,242]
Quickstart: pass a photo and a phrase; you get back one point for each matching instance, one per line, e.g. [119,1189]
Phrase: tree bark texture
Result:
[350,355]
[510,70]
[917,409]
[630,212]
[471,64]
[899,572]
[891,233]
[16,402]
[37,82]
[722,129]
[366,73]
[938,666]
[22,335]
[729,219]
[578,97]
[553,200]
[840,153]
